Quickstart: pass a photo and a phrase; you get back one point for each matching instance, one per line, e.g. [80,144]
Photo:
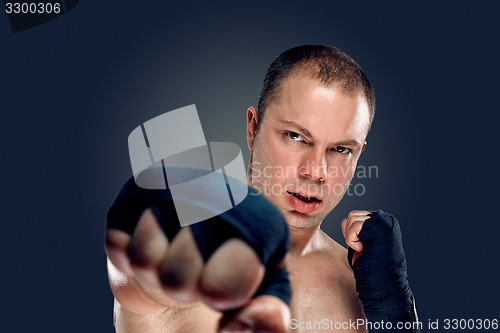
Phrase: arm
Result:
[378,260]
[229,263]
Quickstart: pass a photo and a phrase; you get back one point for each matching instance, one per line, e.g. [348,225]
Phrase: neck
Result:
[304,240]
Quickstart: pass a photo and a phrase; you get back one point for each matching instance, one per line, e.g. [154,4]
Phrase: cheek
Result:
[264,164]
[341,167]
[340,175]
[270,155]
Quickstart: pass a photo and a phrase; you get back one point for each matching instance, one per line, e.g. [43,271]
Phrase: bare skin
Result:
[308,145]
[323,286]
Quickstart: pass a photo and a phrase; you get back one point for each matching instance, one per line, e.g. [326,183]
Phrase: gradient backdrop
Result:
[74,88]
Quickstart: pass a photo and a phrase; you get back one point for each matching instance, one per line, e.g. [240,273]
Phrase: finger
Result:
[354,213]
[231,276]
[352,238]
[357,215]
[355,257]
[116,248]
[181,268]
[263,314]
[354,218]
[147,247]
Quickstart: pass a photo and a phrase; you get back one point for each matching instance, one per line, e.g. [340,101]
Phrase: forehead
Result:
[327,110]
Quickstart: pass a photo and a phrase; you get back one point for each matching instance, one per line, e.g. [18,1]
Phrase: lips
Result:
[303,203]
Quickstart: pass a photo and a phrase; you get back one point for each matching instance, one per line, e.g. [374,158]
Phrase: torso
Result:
[324,294]
[324,298]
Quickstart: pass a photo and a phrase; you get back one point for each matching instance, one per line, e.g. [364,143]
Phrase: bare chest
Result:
[324,299]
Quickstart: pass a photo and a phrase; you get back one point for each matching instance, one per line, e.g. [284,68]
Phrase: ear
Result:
[364,146]
[252,121]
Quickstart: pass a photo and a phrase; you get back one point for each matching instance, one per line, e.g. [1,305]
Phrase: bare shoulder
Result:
[327,258]
[333,251]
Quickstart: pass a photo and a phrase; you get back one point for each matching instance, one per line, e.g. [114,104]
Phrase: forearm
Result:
[381,276]
[398,319]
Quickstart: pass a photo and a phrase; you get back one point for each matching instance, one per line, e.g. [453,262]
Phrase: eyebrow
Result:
[300,128]
[348,142]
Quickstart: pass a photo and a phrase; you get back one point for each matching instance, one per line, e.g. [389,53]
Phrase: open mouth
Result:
[304,197]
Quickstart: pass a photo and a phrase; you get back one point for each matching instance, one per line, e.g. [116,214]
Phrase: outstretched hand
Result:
[233,263]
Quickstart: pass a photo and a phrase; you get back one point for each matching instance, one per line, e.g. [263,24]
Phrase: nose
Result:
[313,165]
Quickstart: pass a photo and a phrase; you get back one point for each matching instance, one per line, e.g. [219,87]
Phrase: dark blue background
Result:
[72,90]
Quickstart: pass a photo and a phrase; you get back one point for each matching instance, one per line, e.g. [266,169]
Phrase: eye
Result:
[342,150]
[294,136]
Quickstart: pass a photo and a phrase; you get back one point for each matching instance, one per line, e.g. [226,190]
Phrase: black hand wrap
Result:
[381,276]
[254,220]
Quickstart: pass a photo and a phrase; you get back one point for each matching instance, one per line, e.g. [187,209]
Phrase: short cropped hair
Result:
[327,64]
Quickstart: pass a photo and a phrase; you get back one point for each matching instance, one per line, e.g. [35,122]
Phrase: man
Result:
[314,113]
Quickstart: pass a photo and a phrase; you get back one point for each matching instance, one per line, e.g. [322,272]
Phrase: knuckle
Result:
[352,238]
[116,239]
[173,275]
[147,245]
[231,276]
[182,265]
[180,281]
[355,212]
[138,254]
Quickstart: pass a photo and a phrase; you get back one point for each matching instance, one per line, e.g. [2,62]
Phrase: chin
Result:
[297,220]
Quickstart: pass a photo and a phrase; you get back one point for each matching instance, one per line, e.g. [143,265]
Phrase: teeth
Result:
[304,198]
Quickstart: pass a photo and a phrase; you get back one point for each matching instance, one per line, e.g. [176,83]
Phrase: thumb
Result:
[352,255]
[262,314]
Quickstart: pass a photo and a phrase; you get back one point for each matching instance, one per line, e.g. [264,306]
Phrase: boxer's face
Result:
[305,152]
